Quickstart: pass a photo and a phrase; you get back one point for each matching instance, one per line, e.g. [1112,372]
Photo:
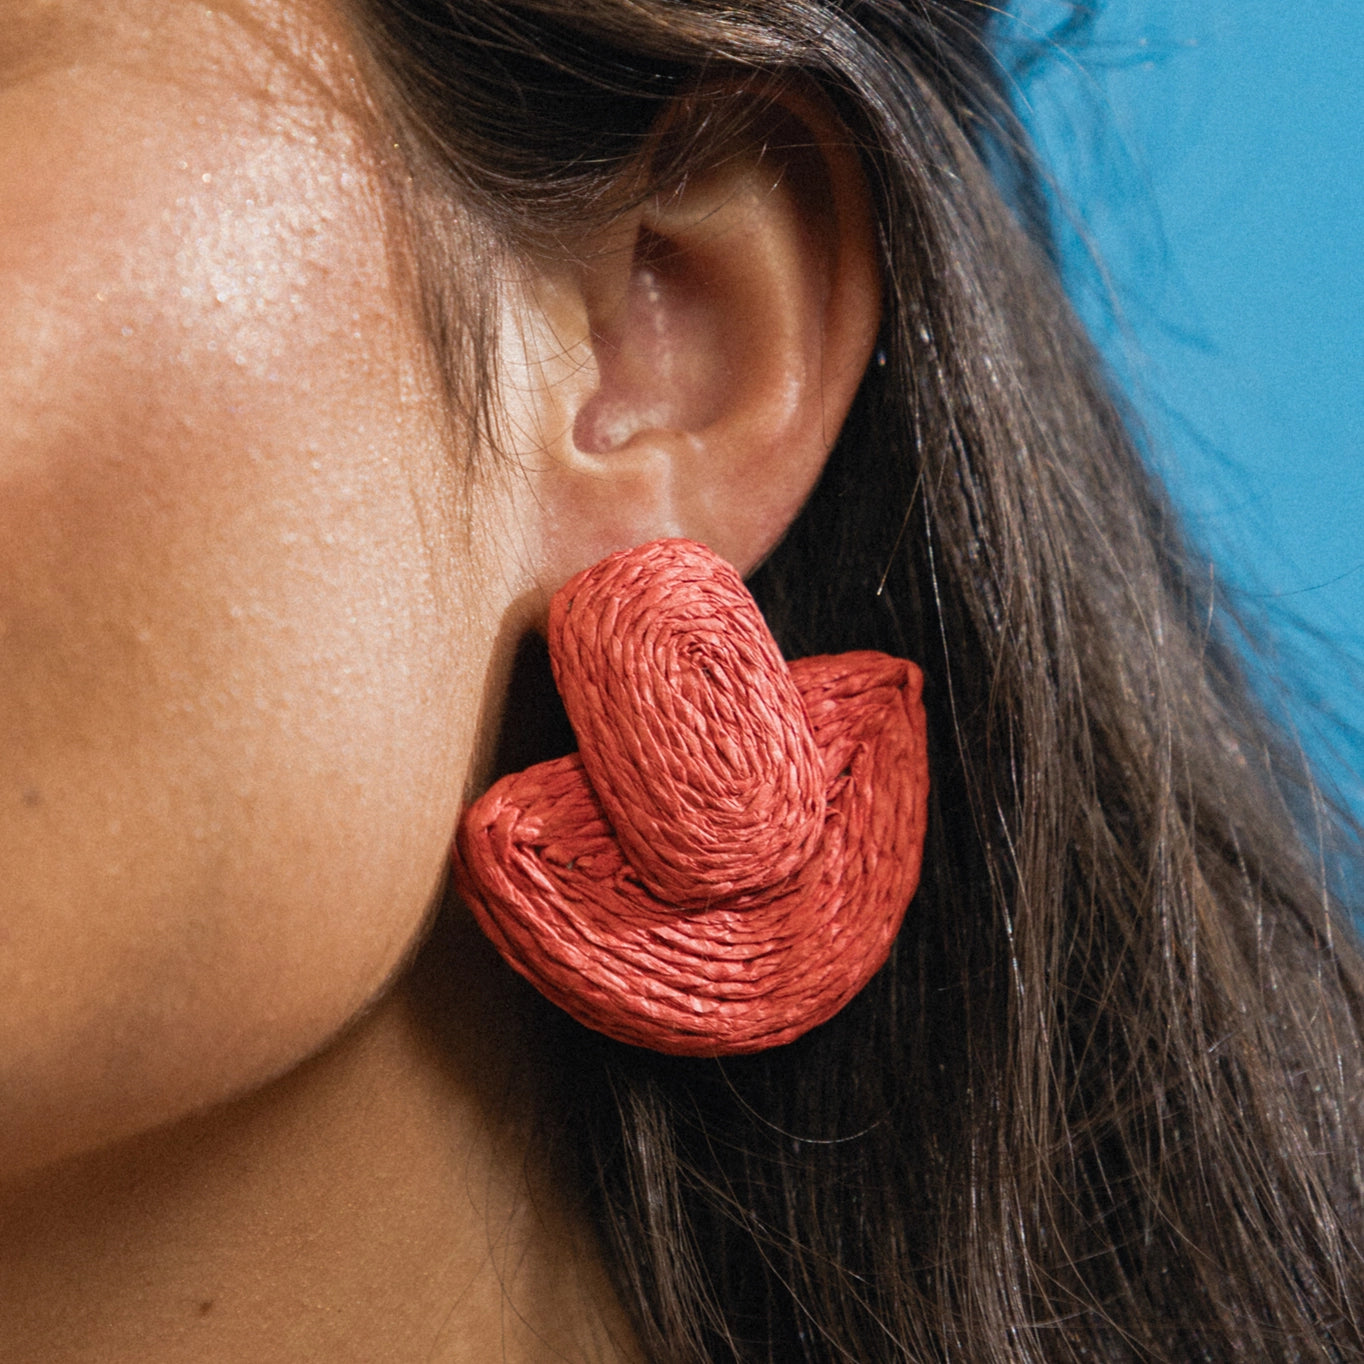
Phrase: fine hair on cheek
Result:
[241,681]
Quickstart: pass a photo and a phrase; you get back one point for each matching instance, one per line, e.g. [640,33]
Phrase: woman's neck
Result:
[382,1201]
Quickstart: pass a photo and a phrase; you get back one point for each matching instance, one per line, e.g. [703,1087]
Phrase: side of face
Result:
[243,639]
[254,619]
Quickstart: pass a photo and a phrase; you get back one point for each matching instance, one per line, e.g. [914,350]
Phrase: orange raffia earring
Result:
[726,860]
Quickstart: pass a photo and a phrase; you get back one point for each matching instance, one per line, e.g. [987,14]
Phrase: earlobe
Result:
[729,321]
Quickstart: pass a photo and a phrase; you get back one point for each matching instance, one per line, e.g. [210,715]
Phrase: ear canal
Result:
[727,860]
[654,356]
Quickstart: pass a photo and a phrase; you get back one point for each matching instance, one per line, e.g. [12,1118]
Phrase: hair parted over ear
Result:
[695,365]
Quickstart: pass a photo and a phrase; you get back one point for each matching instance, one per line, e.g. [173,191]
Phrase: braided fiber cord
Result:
[726,861]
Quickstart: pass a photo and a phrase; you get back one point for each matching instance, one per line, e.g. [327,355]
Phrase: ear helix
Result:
[726,861]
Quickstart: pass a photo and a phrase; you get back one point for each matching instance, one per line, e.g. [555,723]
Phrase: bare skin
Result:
[381,1201]
[242,667]
[255,630]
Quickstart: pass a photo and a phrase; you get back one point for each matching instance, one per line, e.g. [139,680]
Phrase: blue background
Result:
[1210,154]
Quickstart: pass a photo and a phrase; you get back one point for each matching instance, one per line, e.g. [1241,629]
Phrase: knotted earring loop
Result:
[689,725]
[727,859]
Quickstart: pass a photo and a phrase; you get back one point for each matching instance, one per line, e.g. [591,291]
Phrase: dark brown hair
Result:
[1104,1100]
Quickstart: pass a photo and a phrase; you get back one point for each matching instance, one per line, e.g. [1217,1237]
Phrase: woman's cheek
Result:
[236,714]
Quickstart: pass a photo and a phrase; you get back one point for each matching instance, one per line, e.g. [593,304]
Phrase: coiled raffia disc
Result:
[727,860]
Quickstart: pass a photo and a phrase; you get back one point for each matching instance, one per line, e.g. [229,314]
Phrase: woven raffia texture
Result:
[726,860]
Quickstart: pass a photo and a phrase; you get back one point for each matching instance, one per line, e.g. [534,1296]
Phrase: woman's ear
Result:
[691,373]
